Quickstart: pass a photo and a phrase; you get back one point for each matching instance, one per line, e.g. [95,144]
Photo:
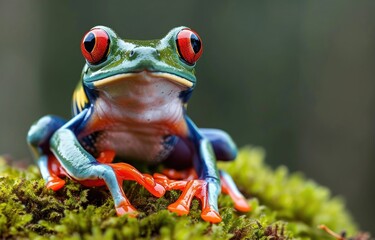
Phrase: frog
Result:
[131,104]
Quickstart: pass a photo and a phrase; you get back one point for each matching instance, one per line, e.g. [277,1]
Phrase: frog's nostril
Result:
[143,52]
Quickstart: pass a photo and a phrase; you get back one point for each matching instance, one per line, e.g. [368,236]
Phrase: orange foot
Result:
[123,172]
[54,182]
[191,188]
[187,181]
[227,186]
[126,208]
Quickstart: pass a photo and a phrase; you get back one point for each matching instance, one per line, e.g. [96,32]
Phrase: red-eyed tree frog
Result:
[131,103]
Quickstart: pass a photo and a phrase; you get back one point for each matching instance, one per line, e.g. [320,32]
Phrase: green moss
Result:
[285,206]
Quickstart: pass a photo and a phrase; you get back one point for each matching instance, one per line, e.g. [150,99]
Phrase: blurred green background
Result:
[295,77]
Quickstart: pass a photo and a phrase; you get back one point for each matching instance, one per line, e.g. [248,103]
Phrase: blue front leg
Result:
[81,165]
[206,169]
[207,187]
[53,135]
[202,148]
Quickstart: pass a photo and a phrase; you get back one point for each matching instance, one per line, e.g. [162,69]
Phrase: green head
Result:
[110,58]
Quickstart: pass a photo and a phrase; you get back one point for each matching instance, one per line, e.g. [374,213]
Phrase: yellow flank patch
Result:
[79,98]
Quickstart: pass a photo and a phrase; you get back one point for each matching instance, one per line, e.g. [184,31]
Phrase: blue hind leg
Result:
[53,138]
[48,133]
[182,154]
[224,147]
[82,166]
[38,139]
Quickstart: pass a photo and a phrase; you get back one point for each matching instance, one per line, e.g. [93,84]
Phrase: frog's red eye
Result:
[189,45]
[95,46]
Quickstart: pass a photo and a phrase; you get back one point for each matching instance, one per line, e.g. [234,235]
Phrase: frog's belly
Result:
[149,148]
[133,116]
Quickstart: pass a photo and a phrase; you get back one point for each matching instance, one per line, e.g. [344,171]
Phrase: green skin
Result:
[167,61]
[109,87]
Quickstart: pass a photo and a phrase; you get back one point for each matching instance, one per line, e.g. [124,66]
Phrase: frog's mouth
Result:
[123,76]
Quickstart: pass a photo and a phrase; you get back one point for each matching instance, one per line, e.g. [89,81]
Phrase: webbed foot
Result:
[227,186]
[191,188]
[126,171]
[55,183]
[125,207]
[107,173]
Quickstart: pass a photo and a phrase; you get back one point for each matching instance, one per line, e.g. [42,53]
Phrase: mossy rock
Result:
[284,206]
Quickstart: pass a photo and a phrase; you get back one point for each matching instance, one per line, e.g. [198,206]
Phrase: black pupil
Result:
[195,43]
[89,42]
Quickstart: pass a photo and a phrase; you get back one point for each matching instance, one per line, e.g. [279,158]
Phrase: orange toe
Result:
[126,171]
[180,209]
[153,186]
[124,208]
[159,190]
[169,184]
[211,215]
[55,183]
[242,205]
